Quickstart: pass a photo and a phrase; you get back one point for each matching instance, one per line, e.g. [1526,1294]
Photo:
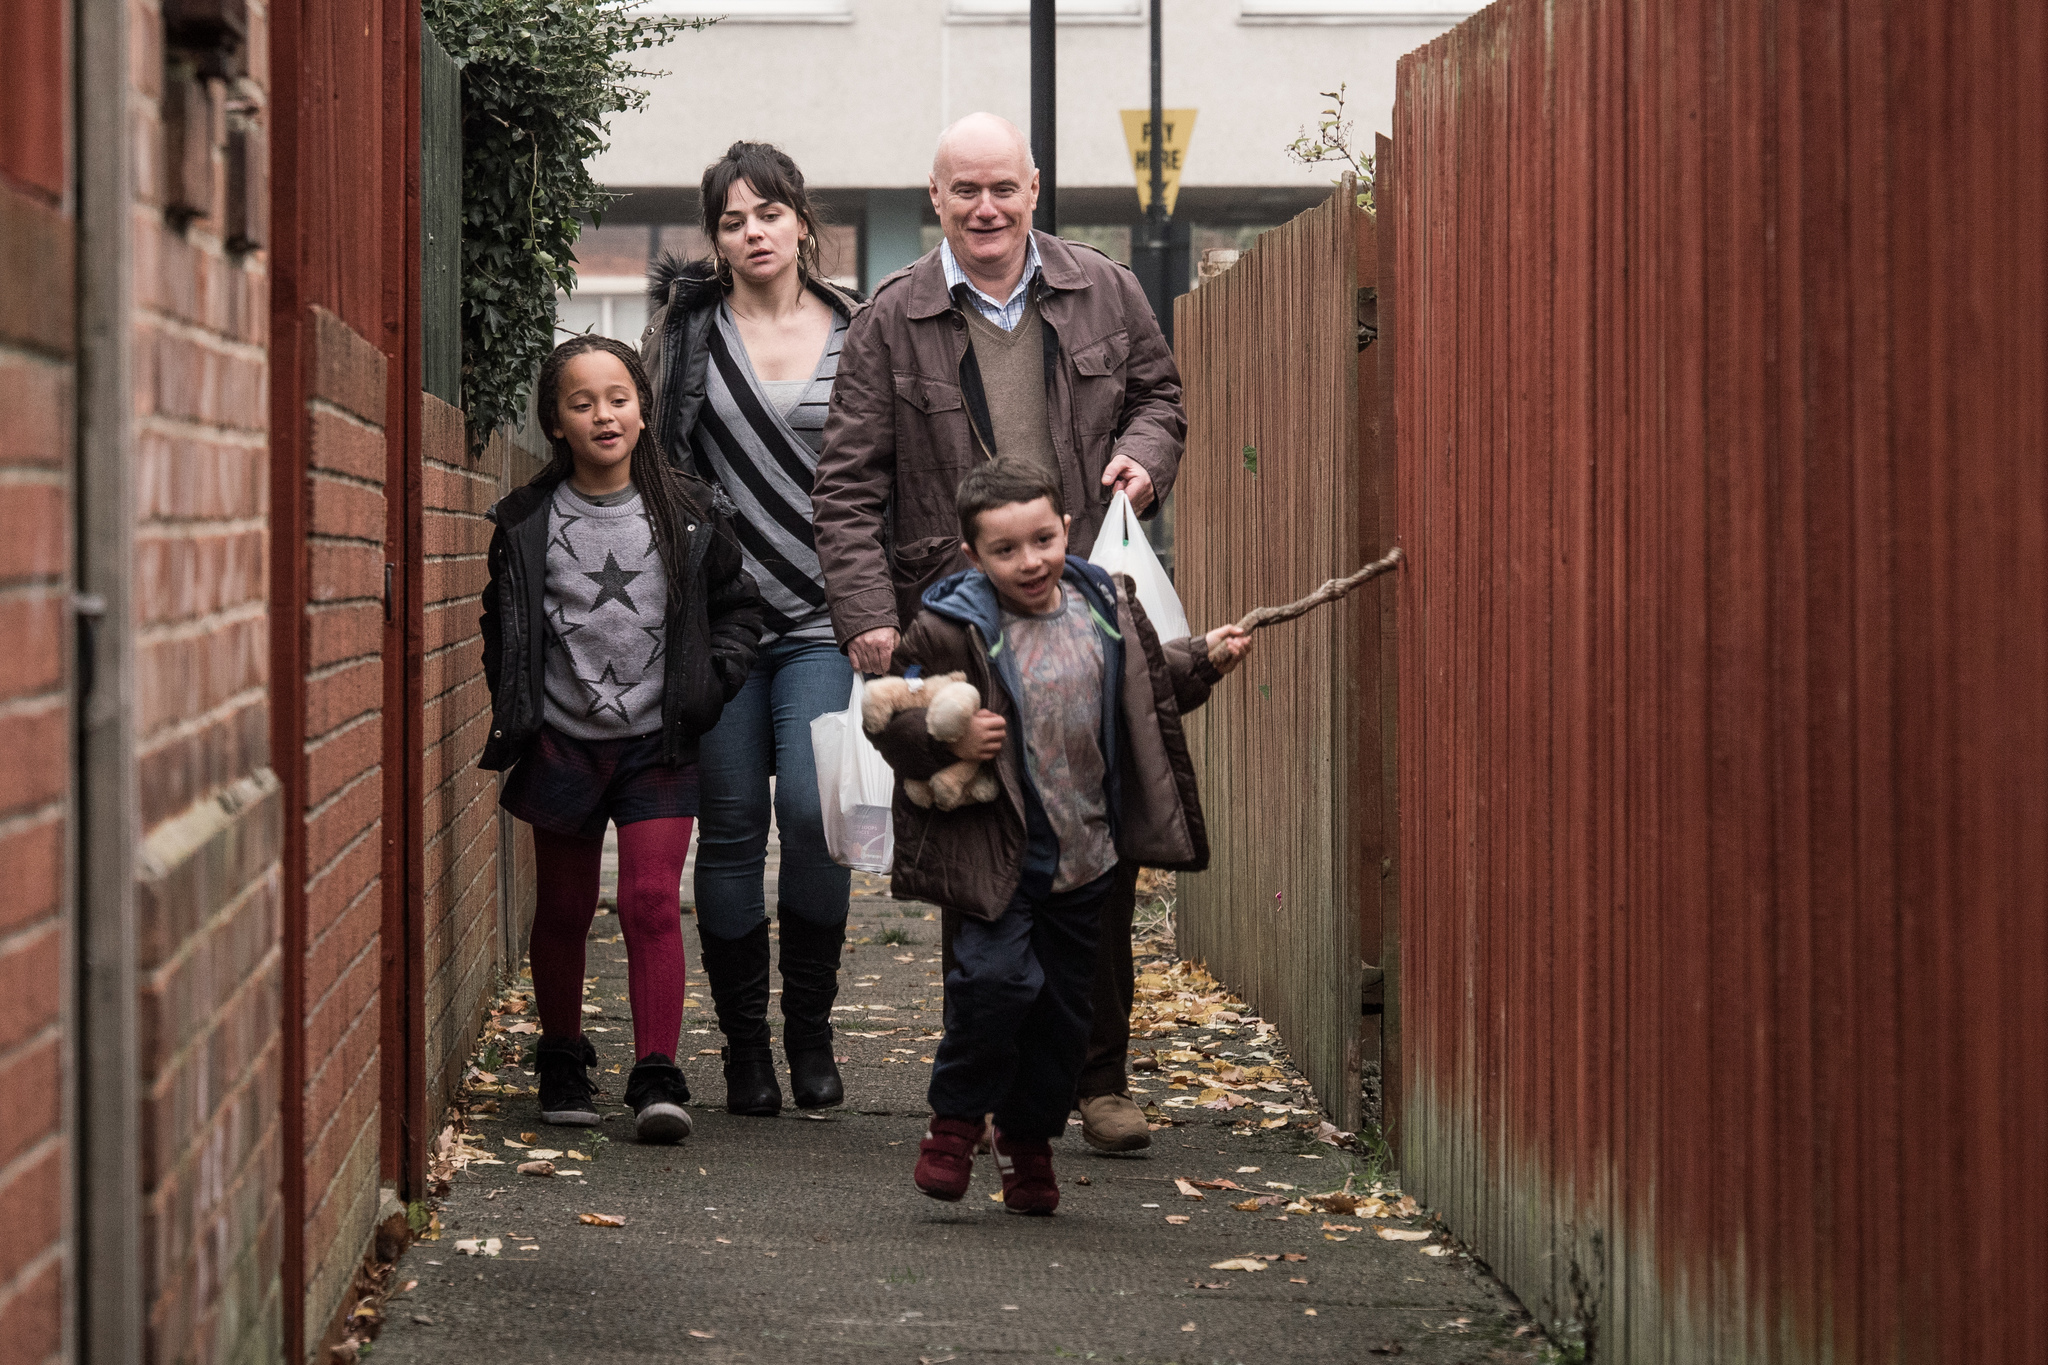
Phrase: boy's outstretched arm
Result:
[1197,663]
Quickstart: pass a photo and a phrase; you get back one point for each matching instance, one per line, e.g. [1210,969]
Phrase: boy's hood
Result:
[969,597]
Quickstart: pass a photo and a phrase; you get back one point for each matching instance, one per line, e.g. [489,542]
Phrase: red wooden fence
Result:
[1723,385]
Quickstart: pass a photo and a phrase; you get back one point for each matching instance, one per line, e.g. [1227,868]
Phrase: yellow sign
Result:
[1173,150]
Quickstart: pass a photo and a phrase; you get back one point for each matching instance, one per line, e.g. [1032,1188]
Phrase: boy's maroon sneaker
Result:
[945,1159]
[1026,1166]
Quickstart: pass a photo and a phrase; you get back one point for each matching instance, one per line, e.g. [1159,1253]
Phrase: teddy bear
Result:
[950,701]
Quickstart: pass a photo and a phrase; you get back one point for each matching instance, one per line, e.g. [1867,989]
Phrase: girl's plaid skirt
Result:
[575,786]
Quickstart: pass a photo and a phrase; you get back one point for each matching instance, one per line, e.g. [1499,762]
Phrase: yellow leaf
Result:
[1177,1219]
[604,1220]
[1401,1235]
[576,1156]
[1239,1263]
[1187,1188]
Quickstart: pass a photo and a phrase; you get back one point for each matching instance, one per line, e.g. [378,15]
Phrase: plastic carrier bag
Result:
[1121,547]
[855,788]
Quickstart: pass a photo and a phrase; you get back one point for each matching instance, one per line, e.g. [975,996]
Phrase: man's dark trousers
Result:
[1109,1041]
[1018,1007]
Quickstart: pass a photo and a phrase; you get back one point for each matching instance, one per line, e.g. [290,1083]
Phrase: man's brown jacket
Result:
[909,419]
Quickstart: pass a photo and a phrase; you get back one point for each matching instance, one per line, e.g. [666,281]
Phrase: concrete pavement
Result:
[801,1238]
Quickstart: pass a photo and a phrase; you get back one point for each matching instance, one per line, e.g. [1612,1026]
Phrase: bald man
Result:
[1001,340]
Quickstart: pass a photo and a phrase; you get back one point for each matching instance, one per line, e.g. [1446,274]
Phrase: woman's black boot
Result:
[738,971]
[810,983]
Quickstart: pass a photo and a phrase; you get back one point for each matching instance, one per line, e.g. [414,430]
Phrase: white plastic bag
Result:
[1121,547]
[855,787]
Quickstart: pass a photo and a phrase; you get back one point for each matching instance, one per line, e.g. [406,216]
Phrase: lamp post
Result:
[1154,254]
[1045,114]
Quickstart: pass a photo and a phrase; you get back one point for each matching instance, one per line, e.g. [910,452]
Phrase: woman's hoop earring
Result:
[723,271]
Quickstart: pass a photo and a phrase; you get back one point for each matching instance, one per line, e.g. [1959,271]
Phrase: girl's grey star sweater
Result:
[607,598]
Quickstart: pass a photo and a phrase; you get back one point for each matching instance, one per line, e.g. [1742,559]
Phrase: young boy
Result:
[1081,719]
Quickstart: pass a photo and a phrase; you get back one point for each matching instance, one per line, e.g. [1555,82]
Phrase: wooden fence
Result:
[1724,669]
[1281,488]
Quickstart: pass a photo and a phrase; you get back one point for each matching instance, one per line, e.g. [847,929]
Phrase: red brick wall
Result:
[460,819]
[36,374]
[208,894]
[344,803]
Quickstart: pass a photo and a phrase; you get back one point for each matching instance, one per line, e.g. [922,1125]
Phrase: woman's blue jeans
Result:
[765,732]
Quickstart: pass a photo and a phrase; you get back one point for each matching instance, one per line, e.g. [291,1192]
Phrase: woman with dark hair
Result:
[743,349]
[617,623]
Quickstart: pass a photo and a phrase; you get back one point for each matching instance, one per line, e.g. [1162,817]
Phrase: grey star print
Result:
[611,581]
[561,537]
[607,694]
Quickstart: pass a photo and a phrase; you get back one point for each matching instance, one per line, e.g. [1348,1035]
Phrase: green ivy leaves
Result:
[539,80]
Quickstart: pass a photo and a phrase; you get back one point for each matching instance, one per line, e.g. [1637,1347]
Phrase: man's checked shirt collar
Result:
[1006,313]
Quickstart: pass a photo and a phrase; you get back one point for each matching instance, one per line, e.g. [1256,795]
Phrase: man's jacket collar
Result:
[929,296]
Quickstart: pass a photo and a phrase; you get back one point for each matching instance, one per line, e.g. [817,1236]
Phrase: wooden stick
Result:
[1329,592]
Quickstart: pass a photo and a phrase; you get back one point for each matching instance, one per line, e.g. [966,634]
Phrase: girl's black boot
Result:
[738,971]
[810,983]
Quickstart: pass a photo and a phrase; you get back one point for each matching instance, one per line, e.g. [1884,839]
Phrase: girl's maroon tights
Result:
[651,854]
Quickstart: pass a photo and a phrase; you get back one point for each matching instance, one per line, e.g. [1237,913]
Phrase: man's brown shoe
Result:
[1113,1123]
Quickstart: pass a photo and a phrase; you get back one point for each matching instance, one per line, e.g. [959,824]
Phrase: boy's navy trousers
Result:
[1018,1012]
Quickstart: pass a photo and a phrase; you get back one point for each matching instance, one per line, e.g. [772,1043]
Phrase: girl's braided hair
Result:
[663,494]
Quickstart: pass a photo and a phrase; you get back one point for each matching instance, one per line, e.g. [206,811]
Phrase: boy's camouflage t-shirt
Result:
[1059,662]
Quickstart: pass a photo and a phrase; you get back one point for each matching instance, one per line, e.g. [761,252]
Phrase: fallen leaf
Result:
[510,1143]
[1297,1280]
[574,1155]
[593,1009]
[1220,1284]
[410,1285]
[542,1153]
[1223,1185]
[1187,1327]
[1239,1263]
[702,1336]
[536,1168]
[997,1196]
[1341,1227]
[1187,1188]
[528,1137]
[1277,1185]
[604,1220]
[1177,1219]
[471,1246]
[1308,1312]
[1247,1170]
[1436,1250]
[1333,1237]
[1401,1235]
[709,1051]
[523,1026]
[1294,1256]
[1082,1180]
[1272,1123]
[723,1241]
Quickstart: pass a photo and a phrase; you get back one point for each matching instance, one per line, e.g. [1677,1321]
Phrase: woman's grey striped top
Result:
[765,462]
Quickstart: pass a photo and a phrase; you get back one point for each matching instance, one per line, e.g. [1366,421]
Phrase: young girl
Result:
[617,624]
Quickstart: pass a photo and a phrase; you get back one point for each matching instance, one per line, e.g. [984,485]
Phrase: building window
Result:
[759,11]
[1067,11]
[609,305]
[1355,11]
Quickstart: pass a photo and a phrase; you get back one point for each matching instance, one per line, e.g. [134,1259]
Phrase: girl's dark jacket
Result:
[685,298]
[711,632]
[971,858]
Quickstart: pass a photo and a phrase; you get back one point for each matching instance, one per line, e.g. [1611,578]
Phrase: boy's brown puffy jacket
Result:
[970,859]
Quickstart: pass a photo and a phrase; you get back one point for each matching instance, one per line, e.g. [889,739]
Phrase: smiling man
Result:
[1002,340]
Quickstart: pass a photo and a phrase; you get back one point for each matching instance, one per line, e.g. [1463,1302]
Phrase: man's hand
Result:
[1227,647]
[984,737]
[1127,474]
[872,651]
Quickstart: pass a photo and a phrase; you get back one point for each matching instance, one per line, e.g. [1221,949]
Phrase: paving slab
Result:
[801,1238]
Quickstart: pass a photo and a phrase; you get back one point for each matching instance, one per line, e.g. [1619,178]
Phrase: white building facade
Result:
[857,92]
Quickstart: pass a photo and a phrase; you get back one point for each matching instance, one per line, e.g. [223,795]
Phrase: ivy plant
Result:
[539,80]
